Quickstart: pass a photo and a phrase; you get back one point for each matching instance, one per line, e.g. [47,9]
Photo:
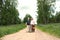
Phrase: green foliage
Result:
[55,18]
[58,17]
[26,18]
[53,28]
[9,13]
[4,30]
[44,11]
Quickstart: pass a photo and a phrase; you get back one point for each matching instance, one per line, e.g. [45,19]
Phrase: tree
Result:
[26,18]
[58,17]
[1,6]
[44,11]
[9,13]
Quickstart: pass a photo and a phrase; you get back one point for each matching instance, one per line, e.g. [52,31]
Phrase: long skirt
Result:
[33,28]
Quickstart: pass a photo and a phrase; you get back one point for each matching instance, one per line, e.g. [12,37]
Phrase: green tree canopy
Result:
[26,18]
[44,10]
[8,12]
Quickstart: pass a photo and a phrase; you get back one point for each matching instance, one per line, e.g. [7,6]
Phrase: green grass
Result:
[53,29]
[4,30]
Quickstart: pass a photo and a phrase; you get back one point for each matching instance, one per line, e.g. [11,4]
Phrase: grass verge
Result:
[4,30]
[53,29]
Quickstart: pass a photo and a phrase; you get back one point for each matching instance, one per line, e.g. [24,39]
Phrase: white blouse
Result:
[32,22]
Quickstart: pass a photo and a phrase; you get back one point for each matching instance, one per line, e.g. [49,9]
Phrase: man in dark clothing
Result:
[28,25]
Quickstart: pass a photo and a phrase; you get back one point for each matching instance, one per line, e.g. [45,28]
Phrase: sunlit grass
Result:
[4,30]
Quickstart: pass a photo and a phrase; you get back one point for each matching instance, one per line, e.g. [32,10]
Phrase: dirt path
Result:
[23,35]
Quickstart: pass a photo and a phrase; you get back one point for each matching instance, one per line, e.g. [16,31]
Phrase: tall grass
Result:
[4,30]
[53,29]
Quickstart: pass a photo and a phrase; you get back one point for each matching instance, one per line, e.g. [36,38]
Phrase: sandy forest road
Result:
[23,35]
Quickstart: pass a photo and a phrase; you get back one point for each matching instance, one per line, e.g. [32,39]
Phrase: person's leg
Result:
[31,28]
[27,27]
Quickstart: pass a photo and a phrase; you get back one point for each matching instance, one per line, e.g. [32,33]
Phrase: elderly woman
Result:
[32,25]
